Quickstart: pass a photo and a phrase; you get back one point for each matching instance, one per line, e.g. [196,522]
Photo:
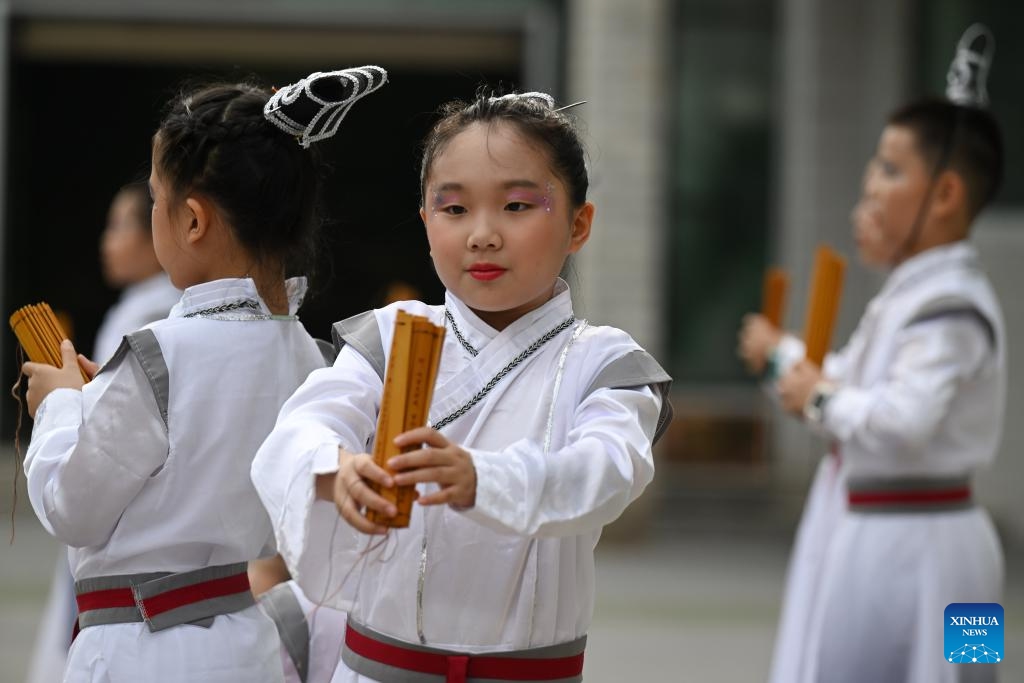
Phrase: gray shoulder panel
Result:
[327,350]
[637,369]
[362,333]
[146,348]
[955,307]
[281,605]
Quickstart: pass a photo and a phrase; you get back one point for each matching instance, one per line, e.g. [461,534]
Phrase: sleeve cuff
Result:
[61,408]
[847,408]
[788,353]
[325,459]
[490,495]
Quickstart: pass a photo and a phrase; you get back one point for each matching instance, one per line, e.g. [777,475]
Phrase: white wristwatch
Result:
[814,407]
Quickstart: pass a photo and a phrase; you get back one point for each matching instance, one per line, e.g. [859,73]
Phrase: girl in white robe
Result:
[129,262]
[542,428]
[144,471]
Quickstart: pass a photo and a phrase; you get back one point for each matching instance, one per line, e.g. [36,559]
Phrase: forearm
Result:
[579,488]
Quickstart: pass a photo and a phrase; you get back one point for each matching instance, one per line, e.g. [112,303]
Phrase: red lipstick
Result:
[486,271]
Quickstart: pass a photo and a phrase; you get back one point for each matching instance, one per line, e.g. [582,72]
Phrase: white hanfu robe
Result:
[139,484]
[825,502]
[923,398]
[516,570]
[139,304]
[311,634]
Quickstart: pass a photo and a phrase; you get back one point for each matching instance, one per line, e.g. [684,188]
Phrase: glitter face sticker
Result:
[533,197]
[443,199]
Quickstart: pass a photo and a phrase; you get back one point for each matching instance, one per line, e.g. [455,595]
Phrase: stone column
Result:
[843,67]
[617,52]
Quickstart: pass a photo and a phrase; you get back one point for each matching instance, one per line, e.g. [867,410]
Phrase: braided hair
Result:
[216,142]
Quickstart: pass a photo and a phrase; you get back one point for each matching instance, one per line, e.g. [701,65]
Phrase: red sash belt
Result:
[909,494]
[163,600]
[382,658]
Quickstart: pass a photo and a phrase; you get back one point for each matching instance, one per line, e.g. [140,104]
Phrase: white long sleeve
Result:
[83,466]
[336,406]
[901,414]
[583,486]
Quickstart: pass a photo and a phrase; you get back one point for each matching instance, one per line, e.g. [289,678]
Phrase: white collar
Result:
[477,333]
[928,262]
[228,290]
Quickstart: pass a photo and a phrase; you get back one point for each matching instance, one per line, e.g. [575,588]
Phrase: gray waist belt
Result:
[909,494]
[389,660]
[163,599]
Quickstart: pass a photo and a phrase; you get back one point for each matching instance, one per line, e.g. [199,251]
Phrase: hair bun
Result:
[313,108]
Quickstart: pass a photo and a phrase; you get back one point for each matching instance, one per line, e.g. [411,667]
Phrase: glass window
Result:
[724,55]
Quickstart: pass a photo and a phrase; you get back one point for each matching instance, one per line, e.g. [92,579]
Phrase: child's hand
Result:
[44,378]
[90,367]
[352,492]
[439,460]
[796,385]
[757,338]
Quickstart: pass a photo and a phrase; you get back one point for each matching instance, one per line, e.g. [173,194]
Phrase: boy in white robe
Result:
[916,407]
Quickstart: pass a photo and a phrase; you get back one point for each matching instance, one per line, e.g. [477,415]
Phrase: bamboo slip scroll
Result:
[408,390]
[773,295]
[823,306]
[40,334]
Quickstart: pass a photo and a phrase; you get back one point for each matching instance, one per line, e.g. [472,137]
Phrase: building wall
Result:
[842,67]
[616,61]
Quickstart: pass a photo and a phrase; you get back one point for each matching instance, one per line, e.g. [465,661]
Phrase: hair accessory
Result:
[968,73]
[313,108]
[570,106]
[543,96]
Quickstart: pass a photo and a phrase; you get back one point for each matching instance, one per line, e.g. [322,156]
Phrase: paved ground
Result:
[694,600]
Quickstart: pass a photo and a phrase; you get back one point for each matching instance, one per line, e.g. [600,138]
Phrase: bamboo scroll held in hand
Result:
[408,390]
[823,305]
[773,296]
[40,334]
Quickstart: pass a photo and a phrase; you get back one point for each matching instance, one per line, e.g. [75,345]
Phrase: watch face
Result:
[814,410]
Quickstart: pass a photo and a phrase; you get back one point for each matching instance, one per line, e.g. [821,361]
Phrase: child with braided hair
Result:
[541,428]
[144,471]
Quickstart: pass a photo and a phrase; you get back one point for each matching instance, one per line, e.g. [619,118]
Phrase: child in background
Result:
[542,427]
[915,402]
[144,471]
[130,264]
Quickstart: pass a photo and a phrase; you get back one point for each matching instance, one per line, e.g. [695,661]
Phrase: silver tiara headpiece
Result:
[543,96]
[968,74]
[313,108]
